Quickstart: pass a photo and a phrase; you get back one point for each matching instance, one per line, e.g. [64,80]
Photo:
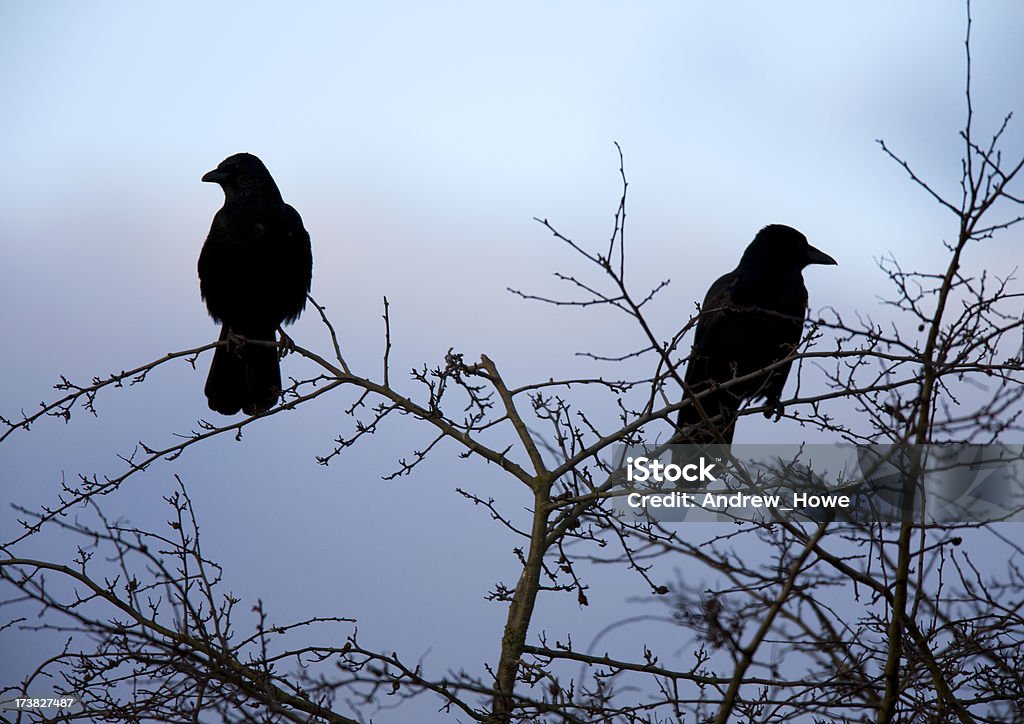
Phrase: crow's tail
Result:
[708,421]
[244,377]
[703,430]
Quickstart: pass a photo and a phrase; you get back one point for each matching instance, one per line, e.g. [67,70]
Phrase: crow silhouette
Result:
[254,272]
[752,318]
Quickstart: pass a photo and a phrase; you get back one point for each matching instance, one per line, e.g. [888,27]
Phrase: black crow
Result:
[752,318]
[254,272]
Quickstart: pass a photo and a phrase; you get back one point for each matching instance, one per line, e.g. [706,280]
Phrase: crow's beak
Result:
[214,176]
[814,256]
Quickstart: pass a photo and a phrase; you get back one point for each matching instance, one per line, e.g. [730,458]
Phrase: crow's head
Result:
[781,248]
[243,175]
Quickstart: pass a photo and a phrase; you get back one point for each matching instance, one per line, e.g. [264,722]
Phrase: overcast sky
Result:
[418,140]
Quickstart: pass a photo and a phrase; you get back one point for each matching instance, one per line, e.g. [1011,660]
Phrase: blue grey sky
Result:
[418,140]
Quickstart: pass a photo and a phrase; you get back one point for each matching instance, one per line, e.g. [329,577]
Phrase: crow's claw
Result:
[235,342]
[774,408]
[287,344]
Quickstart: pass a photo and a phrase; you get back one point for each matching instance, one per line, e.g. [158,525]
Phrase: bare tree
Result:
[849,620]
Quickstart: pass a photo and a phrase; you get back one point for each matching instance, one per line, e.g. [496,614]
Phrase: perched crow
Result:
[254,272]
[751,318]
